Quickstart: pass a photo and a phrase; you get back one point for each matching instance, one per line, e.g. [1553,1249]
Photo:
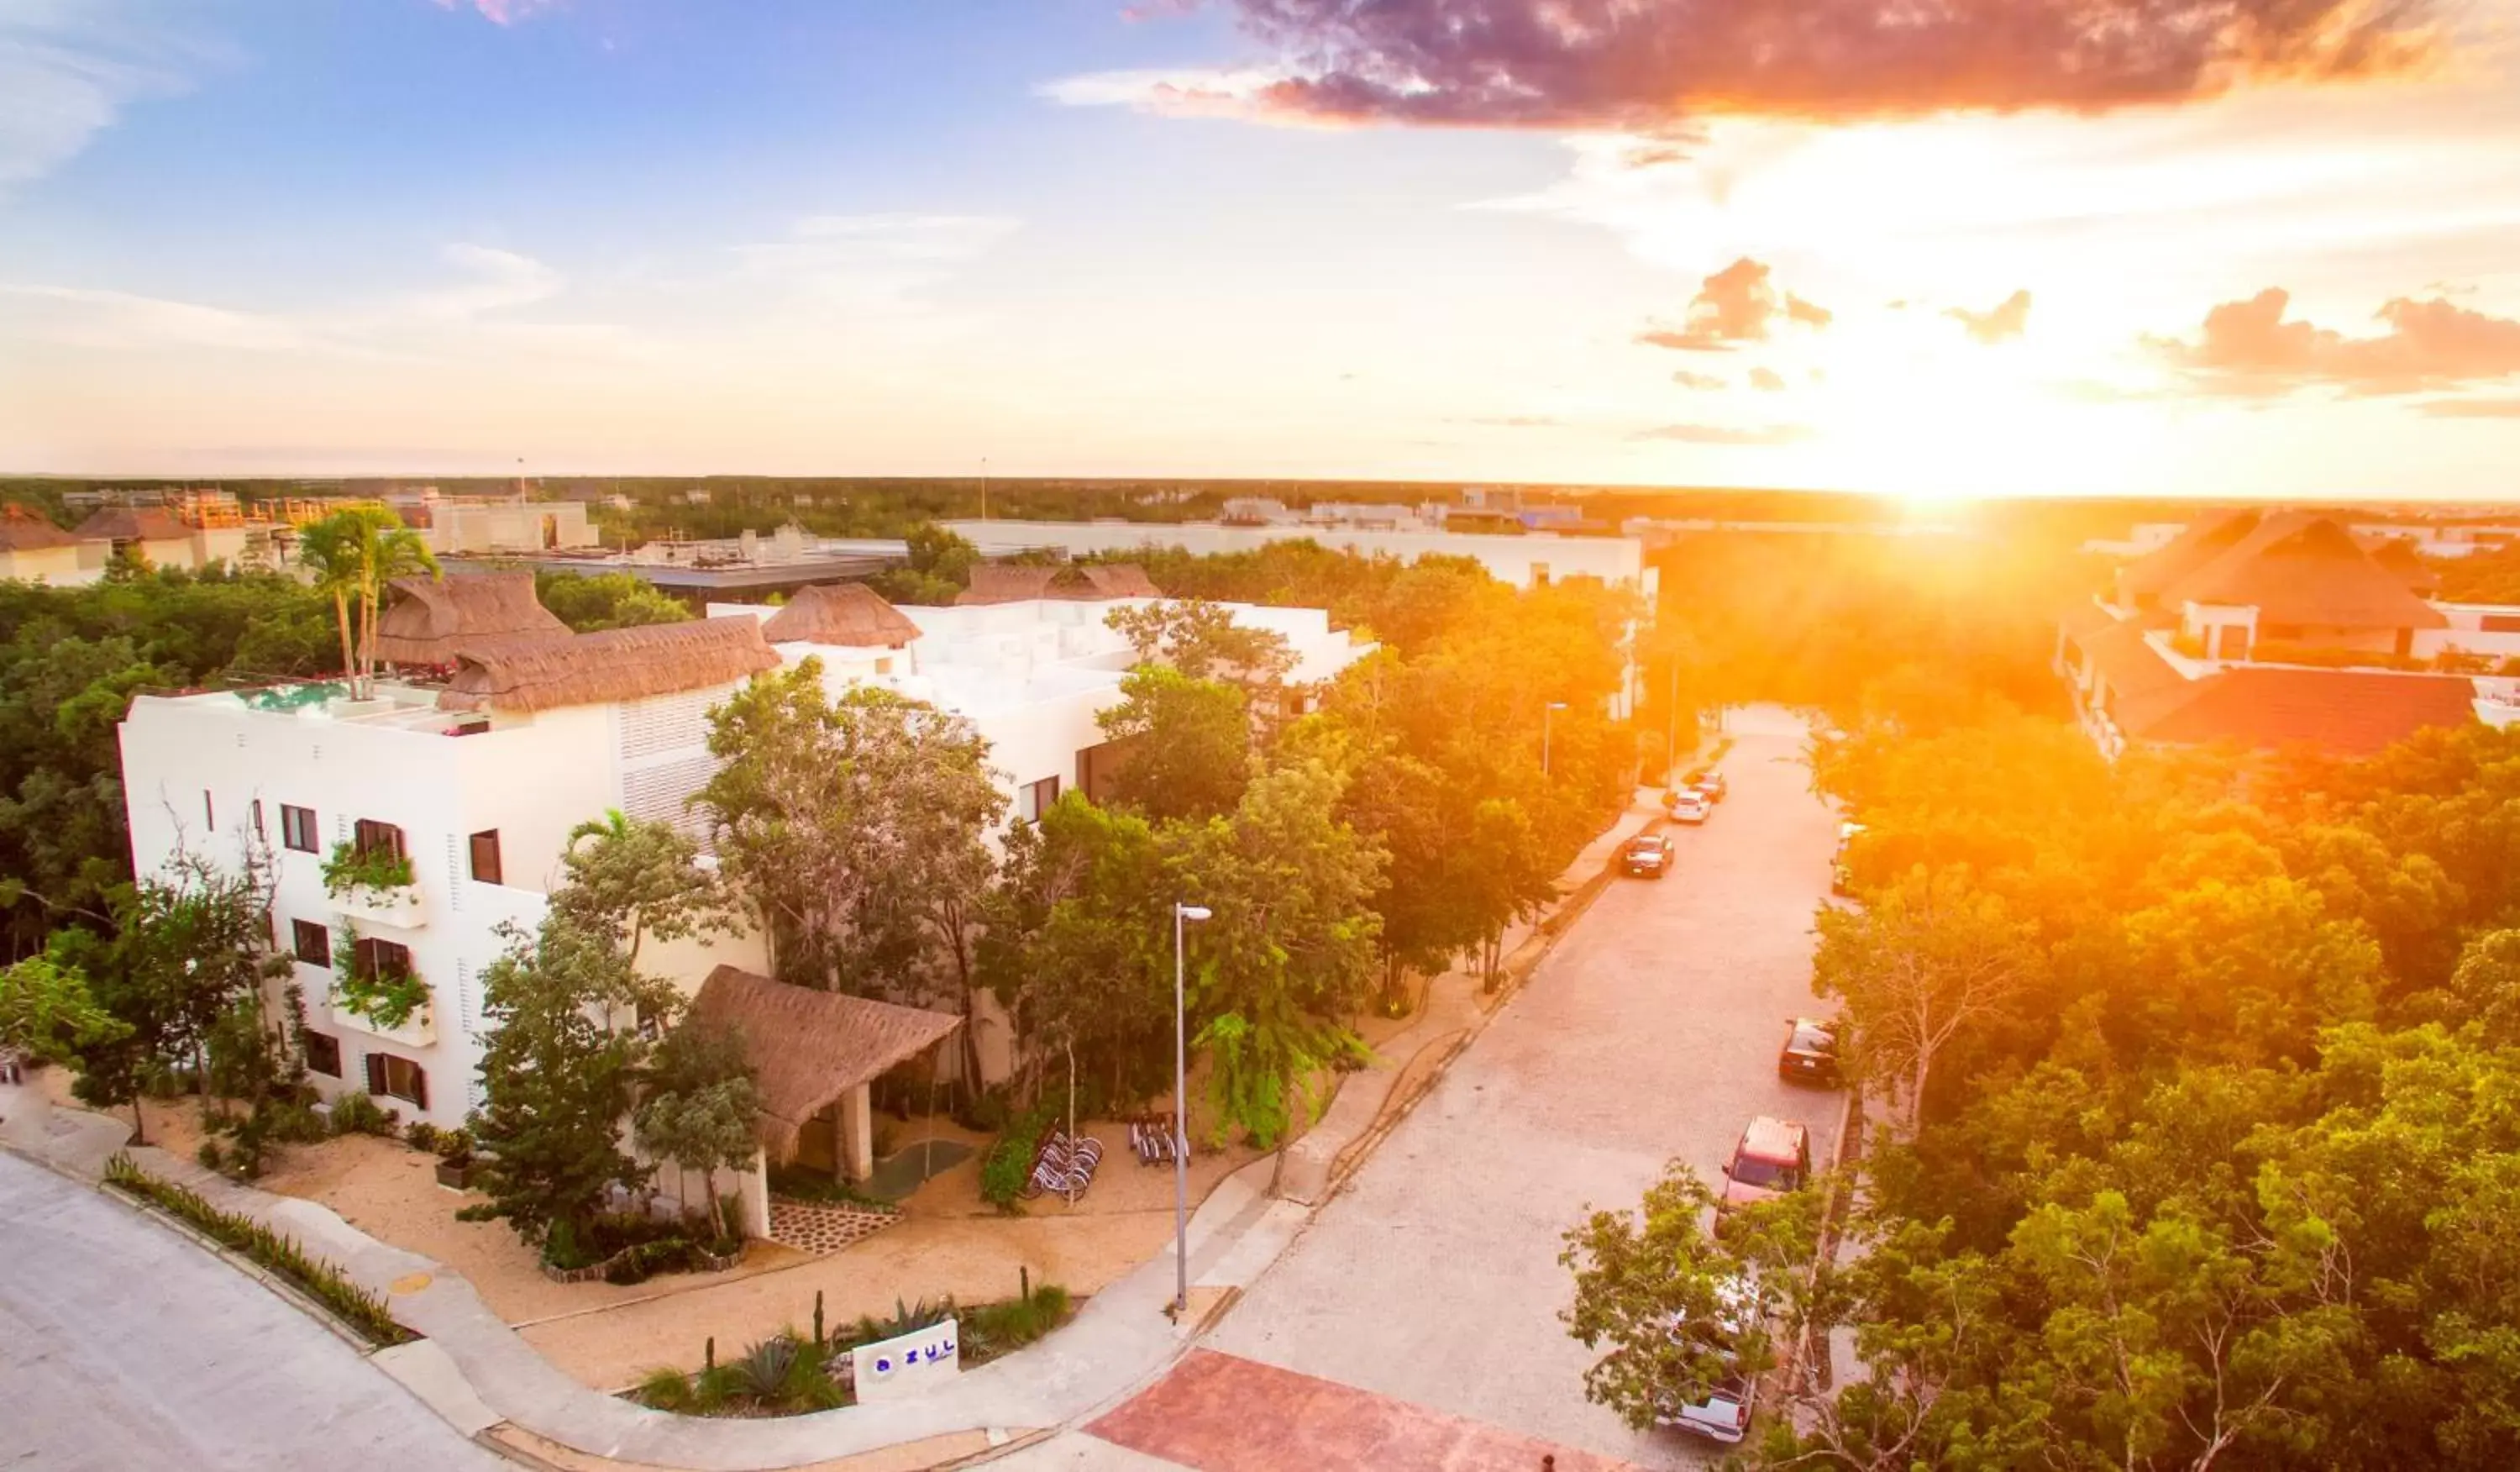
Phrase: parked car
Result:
[1722,1415]
[1710,782]
[1841,881]
[1690,806]
[1772,1157]
[1648,856]
[1847,834]
[1810,1054]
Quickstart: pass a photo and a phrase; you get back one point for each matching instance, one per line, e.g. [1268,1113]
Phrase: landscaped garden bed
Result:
[796,1374]
[364,1312]
[631,1247]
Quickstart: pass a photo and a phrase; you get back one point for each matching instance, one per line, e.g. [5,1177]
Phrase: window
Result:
[485,856]
[324,1054]
[210,815]
[298,828]
[1034,799]
[391,1078]
[373,837]
[373,957]
[314,943]
[884,665]
[1540,575]
[255,807]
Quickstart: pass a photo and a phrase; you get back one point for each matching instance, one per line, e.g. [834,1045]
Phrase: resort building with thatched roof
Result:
[34,550]
[159,538]
[2268,628]
[428,621]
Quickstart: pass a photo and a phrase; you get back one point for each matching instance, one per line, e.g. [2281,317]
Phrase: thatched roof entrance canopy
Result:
[850,614]
[432,619]
[522,676]
[807,1048]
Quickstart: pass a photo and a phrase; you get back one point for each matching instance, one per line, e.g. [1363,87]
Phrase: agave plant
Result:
[764,1368]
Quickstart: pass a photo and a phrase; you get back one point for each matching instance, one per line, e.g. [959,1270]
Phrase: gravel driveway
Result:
[1650,1034]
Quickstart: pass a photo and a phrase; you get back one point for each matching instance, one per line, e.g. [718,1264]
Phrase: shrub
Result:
[292,1122]
[346,868]
[354,1113]
[1009,1162]
[421,1136]
[360,1308]
[764,1368]
[455,1146]
[993,1329]
[664,1390]
[208,1155]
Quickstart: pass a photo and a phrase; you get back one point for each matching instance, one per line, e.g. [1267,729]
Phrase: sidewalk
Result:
[490,1384]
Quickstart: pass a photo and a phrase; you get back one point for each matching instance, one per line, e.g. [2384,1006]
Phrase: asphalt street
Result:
[124,1345]
[1650,1034]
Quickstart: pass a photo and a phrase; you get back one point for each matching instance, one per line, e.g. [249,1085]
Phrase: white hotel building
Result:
[505,730]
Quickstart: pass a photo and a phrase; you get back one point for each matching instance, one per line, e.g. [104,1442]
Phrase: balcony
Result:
[419,1030]
[396,905]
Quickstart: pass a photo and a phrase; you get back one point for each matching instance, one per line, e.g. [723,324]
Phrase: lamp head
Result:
[1192,911]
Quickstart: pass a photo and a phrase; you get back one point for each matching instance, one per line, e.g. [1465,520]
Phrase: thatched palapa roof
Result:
[2301,568]
[133,524]
[809,1048]
[617,664]
[1001,583]
[1093,583]
[434,619]
[848,613]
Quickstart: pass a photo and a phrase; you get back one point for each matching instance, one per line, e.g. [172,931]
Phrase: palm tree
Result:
[354,553]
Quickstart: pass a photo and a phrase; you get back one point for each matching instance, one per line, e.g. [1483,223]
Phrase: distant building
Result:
[1524,560]
[509,527]
[2268,628]
[34,550]
[158,537]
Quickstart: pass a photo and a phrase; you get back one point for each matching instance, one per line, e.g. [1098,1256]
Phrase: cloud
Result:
[500,12]
[1718,433]
[2473,408]
[68,70]
[1702,382]
[2007,318]
[1734,306]
[2251,347]
[1515,421]
[1767,381]
[1645,67]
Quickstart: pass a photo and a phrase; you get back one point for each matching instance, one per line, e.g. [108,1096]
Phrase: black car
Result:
[1648,856]
[1810,1054]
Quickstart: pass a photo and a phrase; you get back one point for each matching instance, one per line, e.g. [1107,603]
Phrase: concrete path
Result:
[1650,1033]
[124,1345]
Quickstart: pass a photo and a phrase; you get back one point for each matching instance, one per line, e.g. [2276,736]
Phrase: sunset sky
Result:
[2258,247]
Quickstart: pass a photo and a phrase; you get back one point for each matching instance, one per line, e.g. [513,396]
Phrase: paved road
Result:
[124,1345]
[1650,1033]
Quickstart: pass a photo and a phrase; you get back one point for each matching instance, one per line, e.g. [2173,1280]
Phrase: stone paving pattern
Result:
[823,1227]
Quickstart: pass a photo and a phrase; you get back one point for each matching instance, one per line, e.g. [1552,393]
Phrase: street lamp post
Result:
[1182,914]
[1545,712]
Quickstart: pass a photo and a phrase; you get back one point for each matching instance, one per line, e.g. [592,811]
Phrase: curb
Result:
[280,1287]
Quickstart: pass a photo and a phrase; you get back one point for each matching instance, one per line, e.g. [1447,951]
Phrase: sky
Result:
[1955,248]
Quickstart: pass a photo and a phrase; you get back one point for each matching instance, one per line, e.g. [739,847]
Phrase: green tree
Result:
[1289,955]
[354,553]
[590,602]
[700,1109]
[1188,744]
[630,879]
[46,1012]
[558,1079]
[1201,640]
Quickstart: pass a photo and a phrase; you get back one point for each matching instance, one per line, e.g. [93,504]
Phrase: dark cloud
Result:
[1734,306]
[2006,319]
[2252,347]
[1645,67]
[1767,380]
[1704,383]
[1721,434]
[2474,408]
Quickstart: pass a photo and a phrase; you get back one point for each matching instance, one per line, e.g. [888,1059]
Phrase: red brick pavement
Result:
[1223,1414]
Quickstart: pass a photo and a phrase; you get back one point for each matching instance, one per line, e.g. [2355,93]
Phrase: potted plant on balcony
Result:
[389,998]
[373,877]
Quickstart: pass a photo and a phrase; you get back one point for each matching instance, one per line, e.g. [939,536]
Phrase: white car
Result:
[1691,808]
[1724,1416]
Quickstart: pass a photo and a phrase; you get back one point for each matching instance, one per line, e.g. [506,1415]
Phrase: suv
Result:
[1772,1157]
[1810,1054]
[1648,856]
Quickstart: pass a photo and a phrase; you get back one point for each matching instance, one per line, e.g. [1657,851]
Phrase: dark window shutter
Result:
[420,1085]
[376,1075]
